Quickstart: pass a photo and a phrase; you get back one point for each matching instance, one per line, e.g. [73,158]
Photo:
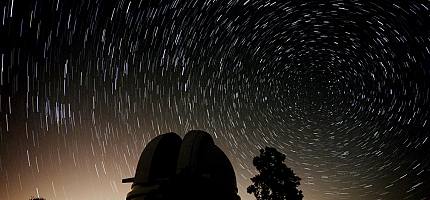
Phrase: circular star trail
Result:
[341,87]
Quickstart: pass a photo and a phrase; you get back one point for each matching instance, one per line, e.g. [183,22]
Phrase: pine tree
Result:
[275,180]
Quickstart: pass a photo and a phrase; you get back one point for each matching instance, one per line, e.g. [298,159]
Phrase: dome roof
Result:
[158,160]
[199,156]
[192,168]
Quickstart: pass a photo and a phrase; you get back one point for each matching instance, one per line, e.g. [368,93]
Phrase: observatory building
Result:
[171,168]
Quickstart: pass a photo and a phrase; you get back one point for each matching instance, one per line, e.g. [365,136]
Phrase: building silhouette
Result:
[191,168]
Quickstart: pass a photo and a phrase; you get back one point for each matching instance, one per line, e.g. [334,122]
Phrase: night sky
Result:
[341,87]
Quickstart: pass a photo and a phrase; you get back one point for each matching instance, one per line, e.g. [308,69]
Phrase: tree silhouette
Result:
[275,180]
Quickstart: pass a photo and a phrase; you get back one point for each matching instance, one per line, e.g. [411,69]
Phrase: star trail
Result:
[341,87]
